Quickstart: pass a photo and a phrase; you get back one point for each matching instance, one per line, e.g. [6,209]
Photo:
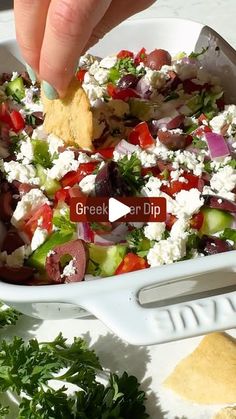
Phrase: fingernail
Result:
[31,73]
[49,91]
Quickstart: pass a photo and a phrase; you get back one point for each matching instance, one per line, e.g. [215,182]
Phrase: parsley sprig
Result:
[130,169]
[29,369]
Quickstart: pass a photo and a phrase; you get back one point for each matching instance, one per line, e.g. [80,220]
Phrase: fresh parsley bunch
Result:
[28,370]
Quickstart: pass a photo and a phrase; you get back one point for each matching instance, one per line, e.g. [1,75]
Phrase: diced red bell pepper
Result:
[130,263]
[201,130]
[170,220]
[80,75]
[177,186]
[197,221]
[140,57]
[155,171]
[122,94]
[110,89]
[141,136]
[42,217]
[62,195]
[73,177]
[106,153]
[124,53]
[17,120]
[13,119]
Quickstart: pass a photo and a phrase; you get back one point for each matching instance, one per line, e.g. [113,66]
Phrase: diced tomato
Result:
[73,177]
[125,54]
[62,195]
[106,153]
[177,186]
[43,217]
[197,220]
[170,220]
[80,75]
[140,57]
[141,135]
[122,94]
[130,263]
[155,171]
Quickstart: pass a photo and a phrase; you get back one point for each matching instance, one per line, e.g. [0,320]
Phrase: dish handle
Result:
[118,305]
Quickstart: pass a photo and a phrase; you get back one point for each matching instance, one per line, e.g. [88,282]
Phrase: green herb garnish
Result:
[198,54]
[130,169]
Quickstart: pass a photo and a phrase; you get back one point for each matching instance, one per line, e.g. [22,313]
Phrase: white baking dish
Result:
[180,300]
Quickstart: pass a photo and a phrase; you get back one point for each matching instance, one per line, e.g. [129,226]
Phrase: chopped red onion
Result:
[143,88]
[217,145]
[124,147]
[84,232]
[118,235]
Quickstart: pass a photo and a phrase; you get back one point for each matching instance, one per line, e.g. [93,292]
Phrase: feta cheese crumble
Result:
[24,173]
[69,269]
[166,251]
[38,238]
[154,231]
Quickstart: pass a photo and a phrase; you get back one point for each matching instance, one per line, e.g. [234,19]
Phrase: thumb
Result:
[68,28]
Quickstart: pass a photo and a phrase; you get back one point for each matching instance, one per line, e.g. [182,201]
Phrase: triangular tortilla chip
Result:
[70,118]
[207,375]
[226,413]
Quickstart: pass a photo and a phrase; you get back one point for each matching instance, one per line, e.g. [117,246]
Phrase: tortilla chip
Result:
[226,413]
[207,375]
[70,118]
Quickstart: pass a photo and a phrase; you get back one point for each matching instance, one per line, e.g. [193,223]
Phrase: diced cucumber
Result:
[16,89]
[41,153]
[104,260]
[51,186]
[38,258]
[141,109]
[215,220]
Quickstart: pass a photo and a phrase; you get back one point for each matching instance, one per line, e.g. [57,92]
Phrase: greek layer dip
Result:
[160,129]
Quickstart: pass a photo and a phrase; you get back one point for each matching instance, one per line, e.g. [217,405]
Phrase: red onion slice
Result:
[118,235]
[84,232]
[217,145]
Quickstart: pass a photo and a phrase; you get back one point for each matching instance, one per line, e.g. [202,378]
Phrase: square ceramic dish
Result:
[160,304]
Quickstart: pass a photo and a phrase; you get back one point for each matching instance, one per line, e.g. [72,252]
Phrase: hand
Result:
[52,34]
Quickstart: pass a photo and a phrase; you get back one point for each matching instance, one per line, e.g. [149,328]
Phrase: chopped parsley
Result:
[198,54]
[198,143]
[61,220]
[15,143]
[130,169]
[138,243]
[171,96]
[229,234]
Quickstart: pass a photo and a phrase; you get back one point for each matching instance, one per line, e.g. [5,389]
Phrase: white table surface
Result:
[152,364]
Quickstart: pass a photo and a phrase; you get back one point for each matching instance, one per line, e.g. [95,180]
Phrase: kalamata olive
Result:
[5,77]
[219,203]
[157,58]
[21,275]
[75,249]
[129,80]
[210,245]
[6,206]
[171,140]
[38,118]
[26,79]
[109,181]
[12,242]
[29,130]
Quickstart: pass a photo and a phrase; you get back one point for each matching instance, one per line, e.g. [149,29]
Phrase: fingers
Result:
[118,11]
[68,28]
[30,20]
